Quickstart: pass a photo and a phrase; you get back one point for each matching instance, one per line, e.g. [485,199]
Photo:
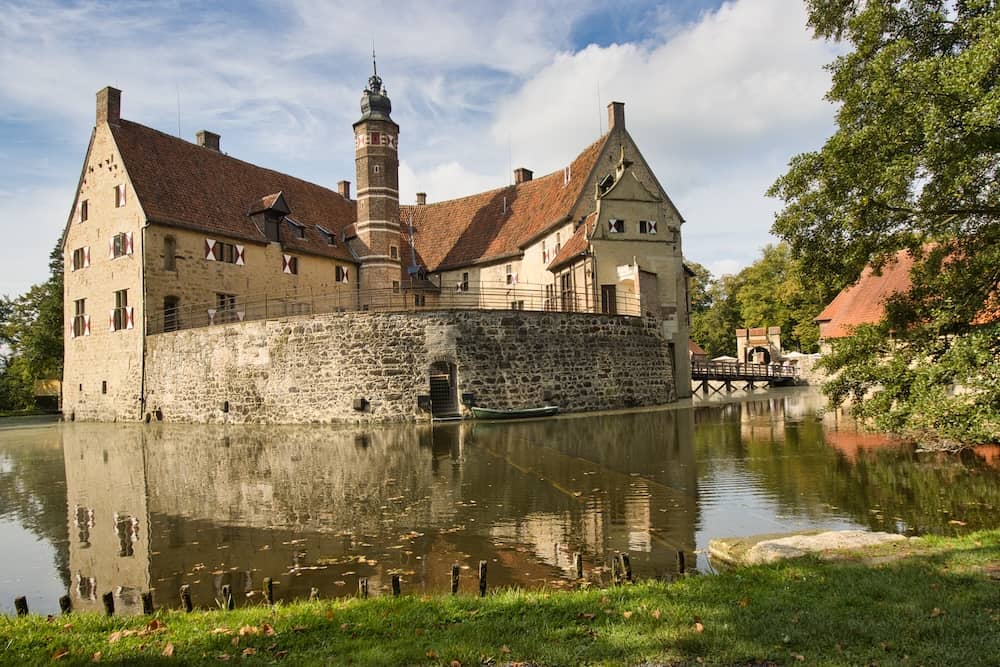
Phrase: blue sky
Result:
[718,95]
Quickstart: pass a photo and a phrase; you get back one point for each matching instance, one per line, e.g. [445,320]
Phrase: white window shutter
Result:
[79,212]
[129,318]
[111,248]
[128,243]
[86,325]
[285,263]
[211,315]
[239,255]
[124,188]
[210,249]
[240,314]
[346,276]
[111,320]
[86,256]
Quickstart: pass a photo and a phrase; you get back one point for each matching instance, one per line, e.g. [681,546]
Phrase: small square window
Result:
[376,169]
[616,226]
[419,299]
[395,287]
[120,196]
[393,252]
[647,226]
[84,212]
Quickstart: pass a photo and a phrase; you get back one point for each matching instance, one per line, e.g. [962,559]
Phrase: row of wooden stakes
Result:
[621,572]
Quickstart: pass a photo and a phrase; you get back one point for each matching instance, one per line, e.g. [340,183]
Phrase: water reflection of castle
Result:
[155,507]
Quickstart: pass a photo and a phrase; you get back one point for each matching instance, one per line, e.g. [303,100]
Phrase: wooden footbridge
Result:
[729,375]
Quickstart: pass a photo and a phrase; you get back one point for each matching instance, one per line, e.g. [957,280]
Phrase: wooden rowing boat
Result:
[514,413]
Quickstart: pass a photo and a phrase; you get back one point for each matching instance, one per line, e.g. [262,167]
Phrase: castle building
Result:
[168,235]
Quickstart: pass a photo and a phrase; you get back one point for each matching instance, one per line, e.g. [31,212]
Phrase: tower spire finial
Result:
[374,66]
[374,81]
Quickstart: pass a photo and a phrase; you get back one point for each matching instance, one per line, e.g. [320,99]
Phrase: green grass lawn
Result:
[940,605]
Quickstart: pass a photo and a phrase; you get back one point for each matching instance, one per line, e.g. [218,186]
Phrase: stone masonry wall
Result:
[312,368]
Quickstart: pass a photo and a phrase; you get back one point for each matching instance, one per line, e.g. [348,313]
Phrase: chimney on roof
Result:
[109,105]
[421,198]
[522,175]
[208,140]
[344,188]
[616,116]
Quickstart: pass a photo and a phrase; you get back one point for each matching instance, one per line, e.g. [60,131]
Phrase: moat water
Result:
[91,508]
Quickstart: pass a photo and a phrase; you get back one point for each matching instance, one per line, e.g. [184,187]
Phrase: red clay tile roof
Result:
[183,184]
[495,224]
[695,349]
[576,245]
[864,301]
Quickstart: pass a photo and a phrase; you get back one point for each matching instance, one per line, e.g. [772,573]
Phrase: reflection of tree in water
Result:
[33,487]
[926,491]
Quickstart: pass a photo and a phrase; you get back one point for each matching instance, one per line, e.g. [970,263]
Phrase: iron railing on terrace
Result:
[731,370]
[228,308]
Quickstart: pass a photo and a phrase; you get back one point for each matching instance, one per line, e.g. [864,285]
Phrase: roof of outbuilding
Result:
[498,223]
[864,301]
[182,184]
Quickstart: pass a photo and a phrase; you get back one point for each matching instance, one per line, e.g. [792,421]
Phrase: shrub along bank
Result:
[938,604]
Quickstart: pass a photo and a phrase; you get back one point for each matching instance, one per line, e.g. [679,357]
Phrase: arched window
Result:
[169,253]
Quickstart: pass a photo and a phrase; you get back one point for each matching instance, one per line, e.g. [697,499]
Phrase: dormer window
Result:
[616,226]
[297,227]
[271,228]
[647,226]
[331,238]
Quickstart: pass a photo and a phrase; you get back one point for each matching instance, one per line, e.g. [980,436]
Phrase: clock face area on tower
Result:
[363,139]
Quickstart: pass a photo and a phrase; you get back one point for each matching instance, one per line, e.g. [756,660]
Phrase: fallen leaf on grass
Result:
[936,612]
[699,628]
[60,653]
[96,657]
[505,649]
[249,651]
[221,631]
[432,654]
[956,522]
[249,630]
[589,617]
[155,625]
[300,628]
[68,626]
[798,656]
[627,615]
[224,657]
[456,663]
[267,629]
[744,602]
[656,614]
[168,651]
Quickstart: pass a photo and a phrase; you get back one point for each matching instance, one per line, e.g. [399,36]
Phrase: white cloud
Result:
[717,104]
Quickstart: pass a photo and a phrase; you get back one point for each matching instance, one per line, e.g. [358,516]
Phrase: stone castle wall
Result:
[313,368]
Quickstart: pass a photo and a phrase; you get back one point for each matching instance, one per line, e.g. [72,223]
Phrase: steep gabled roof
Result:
[182,184]
[497,224]
[864,301]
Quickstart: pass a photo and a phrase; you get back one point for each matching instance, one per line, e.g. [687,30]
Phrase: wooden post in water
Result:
[109,603]
[626,566]
[395,585]
[21,605]
[482,578]
[363,587]
[147,603]
[313,593]
[65,604]
[186,598]
[680,561]
[268,590]
[227,597]
[578,564]
[616,577]
[454,578]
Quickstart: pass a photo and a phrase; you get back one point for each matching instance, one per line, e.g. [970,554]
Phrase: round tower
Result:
[377,173]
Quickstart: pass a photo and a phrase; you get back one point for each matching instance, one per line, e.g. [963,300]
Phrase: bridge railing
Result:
[227,309]
[734,370]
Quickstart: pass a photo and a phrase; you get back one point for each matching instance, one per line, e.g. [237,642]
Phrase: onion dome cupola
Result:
[375,104]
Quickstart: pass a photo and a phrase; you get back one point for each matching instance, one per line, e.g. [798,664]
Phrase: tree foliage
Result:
[31,331]
[913,165]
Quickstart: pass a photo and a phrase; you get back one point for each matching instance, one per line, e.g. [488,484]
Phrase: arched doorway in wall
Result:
[444,389]
[758,355]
